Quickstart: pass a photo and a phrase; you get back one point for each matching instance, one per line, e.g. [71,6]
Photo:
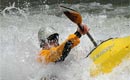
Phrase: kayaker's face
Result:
[50,44]
[51,41]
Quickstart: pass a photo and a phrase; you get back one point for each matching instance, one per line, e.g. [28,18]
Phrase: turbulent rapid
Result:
[19,44]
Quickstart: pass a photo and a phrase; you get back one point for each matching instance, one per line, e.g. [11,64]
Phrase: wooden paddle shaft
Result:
[90,37]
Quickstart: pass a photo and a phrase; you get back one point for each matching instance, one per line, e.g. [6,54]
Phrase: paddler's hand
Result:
[84,30]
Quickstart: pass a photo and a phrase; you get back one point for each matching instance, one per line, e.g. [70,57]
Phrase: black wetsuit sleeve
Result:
[77,34]
[67,49]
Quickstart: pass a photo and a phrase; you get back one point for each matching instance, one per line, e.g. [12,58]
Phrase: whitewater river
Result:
[19,45]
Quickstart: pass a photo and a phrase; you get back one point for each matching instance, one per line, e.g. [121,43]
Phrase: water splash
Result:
[13,11]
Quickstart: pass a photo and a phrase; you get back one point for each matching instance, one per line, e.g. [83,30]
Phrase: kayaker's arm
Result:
[67,48]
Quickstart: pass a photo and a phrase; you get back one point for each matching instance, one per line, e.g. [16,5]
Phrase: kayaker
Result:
[52,51]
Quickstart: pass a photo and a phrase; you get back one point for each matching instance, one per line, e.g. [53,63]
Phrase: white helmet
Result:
[46,33]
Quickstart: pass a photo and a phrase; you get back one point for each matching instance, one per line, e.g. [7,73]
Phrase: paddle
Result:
[75,17]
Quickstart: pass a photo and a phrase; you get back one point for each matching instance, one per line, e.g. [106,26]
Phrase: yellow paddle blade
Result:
[110,54]
[74,16]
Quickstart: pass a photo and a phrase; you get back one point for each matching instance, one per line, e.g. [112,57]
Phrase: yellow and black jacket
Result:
[59,53]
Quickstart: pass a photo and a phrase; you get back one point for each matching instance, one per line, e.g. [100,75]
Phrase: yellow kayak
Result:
[109,54]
